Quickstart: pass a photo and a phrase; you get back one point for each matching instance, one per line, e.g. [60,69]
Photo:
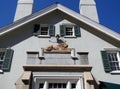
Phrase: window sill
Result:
[1,71]
[43,36]
[115,72]
[70,36]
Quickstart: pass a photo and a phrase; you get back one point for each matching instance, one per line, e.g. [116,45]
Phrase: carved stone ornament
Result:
[60,46]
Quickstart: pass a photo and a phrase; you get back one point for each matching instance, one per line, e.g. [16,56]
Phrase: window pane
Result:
[59,85]
[64,85]
[69,31]
[118,68]
[44,30]
[1,62]
[116,65]
[113,68]
[73,86]
[55,85]
[50,85]
[114,56]
[41,85]
[2,55]
[113,59]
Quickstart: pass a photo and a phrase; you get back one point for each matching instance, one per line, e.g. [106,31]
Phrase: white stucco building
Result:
[57,48]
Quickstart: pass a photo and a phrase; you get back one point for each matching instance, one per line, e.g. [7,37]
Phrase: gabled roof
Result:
[88,22]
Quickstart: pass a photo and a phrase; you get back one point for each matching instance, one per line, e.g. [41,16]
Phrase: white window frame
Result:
[112,61]
[44,25]
[73,30]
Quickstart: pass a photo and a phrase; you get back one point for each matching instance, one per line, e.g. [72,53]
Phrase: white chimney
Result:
[24,8]
[88,9]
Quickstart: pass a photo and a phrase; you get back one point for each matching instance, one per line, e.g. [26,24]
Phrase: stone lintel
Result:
[58,68]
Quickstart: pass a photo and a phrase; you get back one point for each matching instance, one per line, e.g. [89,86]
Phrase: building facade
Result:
[57,48]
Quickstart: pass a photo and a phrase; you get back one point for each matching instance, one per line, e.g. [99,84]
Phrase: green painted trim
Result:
[107,85]
[106,62]
[62,30]
[51,30]
[7,59]
[77,31]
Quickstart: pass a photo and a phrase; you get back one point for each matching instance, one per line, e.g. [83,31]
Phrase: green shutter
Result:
[36,29]
[77,31]
[62,30]
[106,62]
[51,30]
[7,59]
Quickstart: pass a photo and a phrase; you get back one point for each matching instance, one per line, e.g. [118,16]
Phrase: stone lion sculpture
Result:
[60,46]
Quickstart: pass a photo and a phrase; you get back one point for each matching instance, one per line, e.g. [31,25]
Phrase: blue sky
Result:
[108,10]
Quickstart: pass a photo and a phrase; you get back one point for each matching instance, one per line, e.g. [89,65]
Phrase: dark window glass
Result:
[50,85]
[64,85]
[73,85]
[41,85]
[44,30]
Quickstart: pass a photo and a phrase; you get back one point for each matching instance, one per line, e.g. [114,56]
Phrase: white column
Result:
[68,85]
[79,84]
[24,8]
[88,9]
[36,83]
[45,85]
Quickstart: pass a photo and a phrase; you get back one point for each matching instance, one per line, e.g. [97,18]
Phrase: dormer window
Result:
[43,30]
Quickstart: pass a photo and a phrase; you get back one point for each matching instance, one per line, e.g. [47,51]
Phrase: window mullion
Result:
[118,57]
[73,30]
